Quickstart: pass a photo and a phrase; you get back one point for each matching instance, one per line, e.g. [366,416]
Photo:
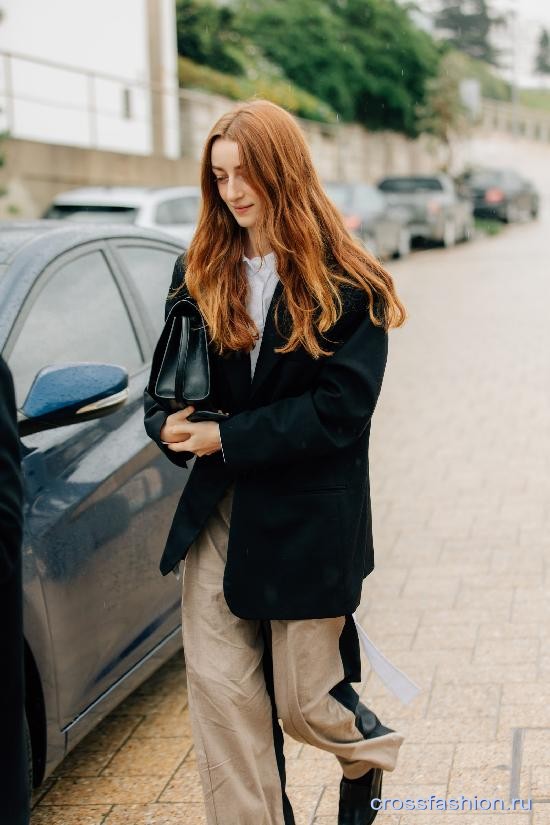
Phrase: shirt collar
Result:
[256,263]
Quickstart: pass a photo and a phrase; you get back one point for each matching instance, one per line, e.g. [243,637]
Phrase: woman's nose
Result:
[233,190]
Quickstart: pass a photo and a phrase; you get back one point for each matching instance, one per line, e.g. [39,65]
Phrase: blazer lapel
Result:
[267,358]
[236,365]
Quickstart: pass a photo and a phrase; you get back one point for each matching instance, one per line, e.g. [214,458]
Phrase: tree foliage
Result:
[468,26]
[195,76]
[206,35]
[542,59]
[444,114]
[364,59]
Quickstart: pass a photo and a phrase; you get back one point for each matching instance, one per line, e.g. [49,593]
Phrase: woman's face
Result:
[243,202]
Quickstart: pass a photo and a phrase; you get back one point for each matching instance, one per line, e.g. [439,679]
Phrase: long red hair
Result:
[314,251]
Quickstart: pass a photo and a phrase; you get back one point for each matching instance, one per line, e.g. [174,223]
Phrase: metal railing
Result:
[88,105]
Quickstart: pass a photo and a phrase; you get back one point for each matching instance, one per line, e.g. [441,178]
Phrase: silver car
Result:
[436,211]
[172,209]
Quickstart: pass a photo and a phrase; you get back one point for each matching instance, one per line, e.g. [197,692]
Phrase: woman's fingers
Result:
[181,446]
[185,412]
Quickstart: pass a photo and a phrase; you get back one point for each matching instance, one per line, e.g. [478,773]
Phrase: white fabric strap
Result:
[394,679]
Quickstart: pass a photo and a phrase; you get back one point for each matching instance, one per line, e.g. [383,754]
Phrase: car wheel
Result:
[403,244]
[449,234]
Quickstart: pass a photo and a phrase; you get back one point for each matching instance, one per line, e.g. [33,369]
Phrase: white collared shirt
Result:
[262,280]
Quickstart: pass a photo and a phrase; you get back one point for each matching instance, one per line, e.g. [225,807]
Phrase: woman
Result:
[274,522]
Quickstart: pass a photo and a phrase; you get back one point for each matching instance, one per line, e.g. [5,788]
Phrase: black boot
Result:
[368,722]
[356,796]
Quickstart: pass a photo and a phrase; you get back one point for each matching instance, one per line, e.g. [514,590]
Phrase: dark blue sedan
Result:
[81,308]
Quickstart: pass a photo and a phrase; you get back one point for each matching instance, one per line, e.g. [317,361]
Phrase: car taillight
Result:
[494,195]
[433,206]
[352,222]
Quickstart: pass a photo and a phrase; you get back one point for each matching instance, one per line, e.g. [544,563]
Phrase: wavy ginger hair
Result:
[313,249]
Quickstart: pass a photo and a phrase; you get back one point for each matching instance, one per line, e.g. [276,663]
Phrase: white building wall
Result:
[97,92]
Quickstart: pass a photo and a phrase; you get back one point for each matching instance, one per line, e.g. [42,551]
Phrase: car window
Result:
[92,213]
[151,273]
[178,210]
[367,199]
[415,184]
[79,315]
[485,180]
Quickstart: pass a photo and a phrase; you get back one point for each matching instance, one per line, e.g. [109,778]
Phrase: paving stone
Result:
[304,801]
[488,783]
[102,790]
[184,786]
[303,772]
[507,652]
[483,674]
[508,630]
[445,637]
[540,781]
[83,762]
[164,725]
[529,693]
[110,734]
[463,700]
[160,814]
[70,815]
[482,755]
[448,729]
[148,757]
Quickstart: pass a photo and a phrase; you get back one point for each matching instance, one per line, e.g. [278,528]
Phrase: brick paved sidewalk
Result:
[459,597]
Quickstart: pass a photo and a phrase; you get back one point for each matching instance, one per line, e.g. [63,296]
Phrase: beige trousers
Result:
[238,742]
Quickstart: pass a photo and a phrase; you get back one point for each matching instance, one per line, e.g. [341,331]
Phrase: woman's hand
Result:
[199,437]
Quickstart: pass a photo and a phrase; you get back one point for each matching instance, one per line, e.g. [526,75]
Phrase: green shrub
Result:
[278,90]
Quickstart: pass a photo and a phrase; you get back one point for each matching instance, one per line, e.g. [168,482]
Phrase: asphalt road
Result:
[460,595]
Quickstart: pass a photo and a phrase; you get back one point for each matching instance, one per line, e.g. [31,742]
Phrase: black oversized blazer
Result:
[296,447]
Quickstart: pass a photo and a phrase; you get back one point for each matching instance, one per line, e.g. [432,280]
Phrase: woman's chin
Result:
[245,220]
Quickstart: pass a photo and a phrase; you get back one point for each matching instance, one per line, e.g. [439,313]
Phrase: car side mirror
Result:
[67,393]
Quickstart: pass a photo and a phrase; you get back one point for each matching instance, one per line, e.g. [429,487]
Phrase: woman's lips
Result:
[242,208]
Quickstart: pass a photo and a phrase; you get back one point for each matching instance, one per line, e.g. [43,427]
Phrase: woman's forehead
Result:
[225,154]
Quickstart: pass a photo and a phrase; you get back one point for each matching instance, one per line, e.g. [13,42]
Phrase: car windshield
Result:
[483,180]
[92,213]
[411,185]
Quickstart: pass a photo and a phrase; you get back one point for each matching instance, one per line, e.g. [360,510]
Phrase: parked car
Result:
[436,210]
[380,226]
[501,194]
[172,209]
[81,308]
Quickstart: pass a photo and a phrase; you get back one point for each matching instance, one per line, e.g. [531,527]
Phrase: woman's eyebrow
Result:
[221,169]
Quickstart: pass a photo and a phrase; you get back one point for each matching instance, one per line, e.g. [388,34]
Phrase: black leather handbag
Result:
[180,370]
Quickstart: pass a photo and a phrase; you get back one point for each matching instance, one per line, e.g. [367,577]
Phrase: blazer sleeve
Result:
[154,415]
[11,494]
[330,416]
